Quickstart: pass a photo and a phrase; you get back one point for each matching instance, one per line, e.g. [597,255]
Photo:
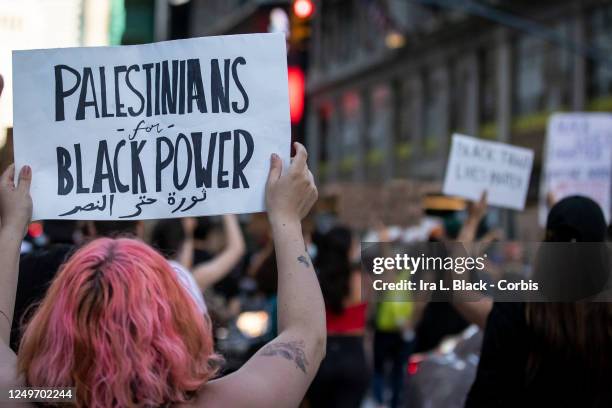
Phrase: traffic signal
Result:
[302,11]
[303,8]
[296,93]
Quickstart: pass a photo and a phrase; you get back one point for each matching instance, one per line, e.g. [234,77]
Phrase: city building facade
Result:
[390,81]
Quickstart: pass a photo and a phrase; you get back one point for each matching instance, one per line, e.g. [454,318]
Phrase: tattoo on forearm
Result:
[291,350]
[303,260]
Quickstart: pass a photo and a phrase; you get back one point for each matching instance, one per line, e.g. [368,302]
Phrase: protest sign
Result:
[171,129]
[577,159]
[476,165]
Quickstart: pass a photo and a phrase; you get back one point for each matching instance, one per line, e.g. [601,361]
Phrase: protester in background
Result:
[394,323]
[118,326]
[261,266]
[174,238]
[264,271]
[210,272]
[201,233]
[262,274]
[114,229]
[170,237]
[439,319]
[393,344]
[209,239]
[343,377]
[477,309]
[38,268]
[551,354]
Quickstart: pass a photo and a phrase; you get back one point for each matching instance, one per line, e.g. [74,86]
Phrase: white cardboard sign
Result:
[577,159]
[171,129]
[475,165]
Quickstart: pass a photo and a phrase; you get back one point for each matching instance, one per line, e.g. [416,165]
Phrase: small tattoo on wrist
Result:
[303,260]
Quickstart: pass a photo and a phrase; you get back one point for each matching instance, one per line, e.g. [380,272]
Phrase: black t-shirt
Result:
[501,380]
[36,272]
[440,319]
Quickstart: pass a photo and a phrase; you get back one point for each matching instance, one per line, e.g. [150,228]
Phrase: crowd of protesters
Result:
[134,314]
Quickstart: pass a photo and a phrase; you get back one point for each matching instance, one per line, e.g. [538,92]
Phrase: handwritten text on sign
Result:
[578,153]
[475,165]
[171,129]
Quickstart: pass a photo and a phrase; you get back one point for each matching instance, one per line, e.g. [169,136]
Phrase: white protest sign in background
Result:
[577,159]
[172,129]
[475,165]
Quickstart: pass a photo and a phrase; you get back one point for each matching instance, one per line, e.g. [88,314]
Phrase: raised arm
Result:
[476,213]
[185,253]
[476,311]
[15,213]
[208,273]
[280,373]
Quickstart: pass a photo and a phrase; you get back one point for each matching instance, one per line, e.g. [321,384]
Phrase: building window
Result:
[558,70]
[488,86]
[380,128]
[435,111]
[460,98]
[529,75]
[542,73]
[327,34]
[404,109]
[351,112]
[349,30]
[323,128]
[600,78]
[407,123]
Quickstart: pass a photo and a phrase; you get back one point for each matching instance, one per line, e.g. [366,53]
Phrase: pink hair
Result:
[117,325]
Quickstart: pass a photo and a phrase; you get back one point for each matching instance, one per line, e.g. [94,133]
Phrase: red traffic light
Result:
[296,93]
[303,8]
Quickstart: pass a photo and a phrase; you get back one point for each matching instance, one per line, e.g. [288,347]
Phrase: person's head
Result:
[336,242]
[259,229]
[115,229]
[60,231]
[577,219]
[333,266]
[572,263]
[168,237]
[117,325]
[203,228]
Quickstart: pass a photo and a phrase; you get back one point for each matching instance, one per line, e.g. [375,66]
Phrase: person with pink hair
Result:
[117,325]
